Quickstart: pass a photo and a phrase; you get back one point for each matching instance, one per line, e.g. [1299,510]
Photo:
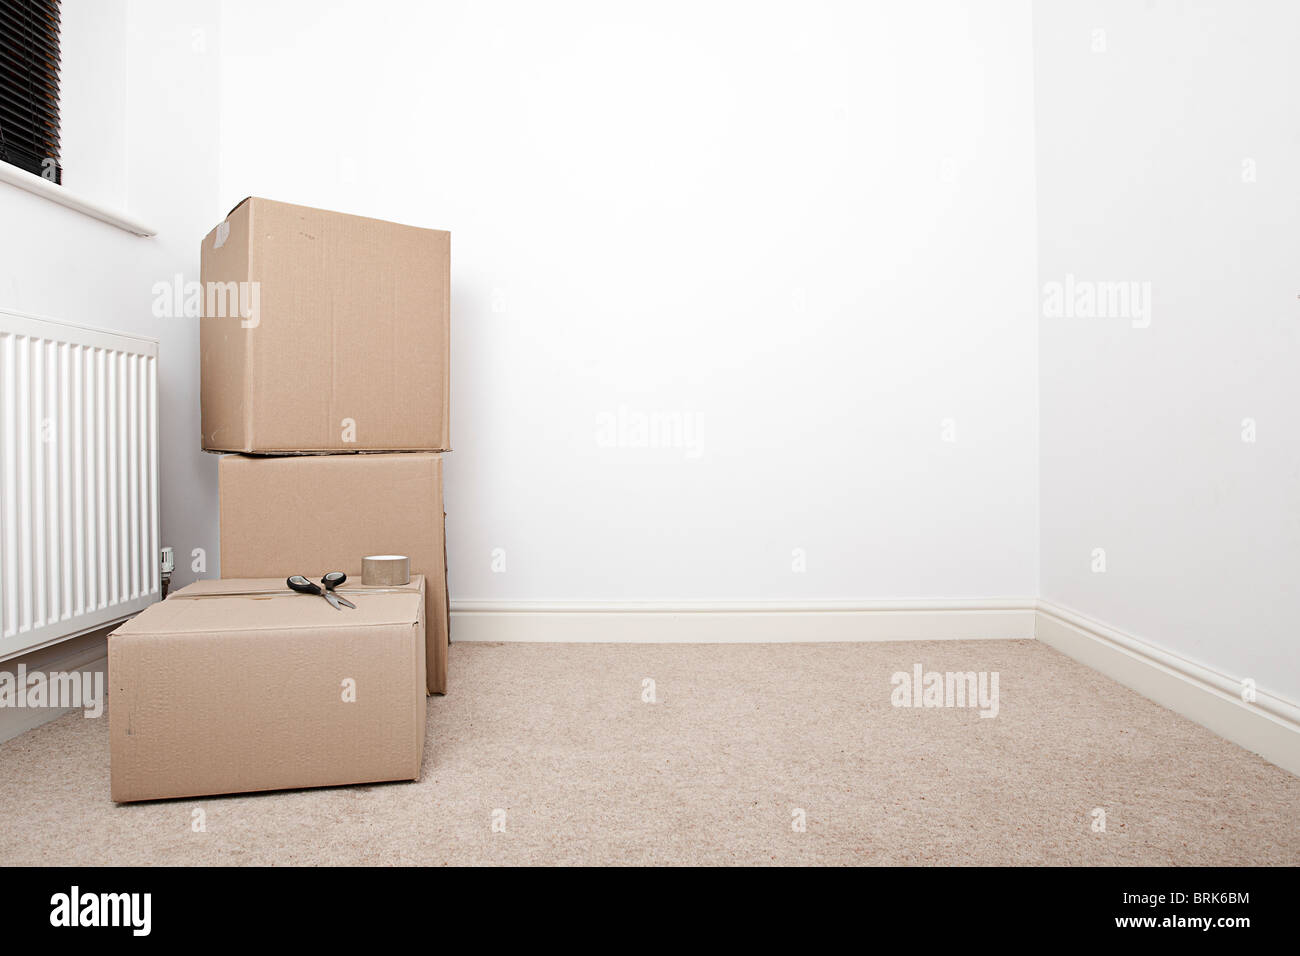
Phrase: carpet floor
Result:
[555,743]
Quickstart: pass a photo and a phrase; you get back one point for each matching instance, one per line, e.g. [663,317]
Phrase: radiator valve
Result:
[167,564]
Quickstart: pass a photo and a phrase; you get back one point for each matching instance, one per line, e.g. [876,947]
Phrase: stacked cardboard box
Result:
[324,359]
[319,513]
[339,348]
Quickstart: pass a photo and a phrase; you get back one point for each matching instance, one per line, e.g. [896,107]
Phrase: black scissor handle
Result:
[333,580]
[300,584]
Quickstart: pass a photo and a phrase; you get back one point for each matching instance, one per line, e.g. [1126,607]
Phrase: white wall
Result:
[1140,169]
[810,230]
[806,229]
[139,120]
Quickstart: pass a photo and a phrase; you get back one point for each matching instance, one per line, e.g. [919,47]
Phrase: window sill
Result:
[59,194]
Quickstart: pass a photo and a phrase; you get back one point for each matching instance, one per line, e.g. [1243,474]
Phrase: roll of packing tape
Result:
[386,570]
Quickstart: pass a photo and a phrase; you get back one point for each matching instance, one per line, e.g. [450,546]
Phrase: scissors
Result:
[332,580]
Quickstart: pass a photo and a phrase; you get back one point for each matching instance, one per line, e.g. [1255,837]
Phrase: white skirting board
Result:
[87,653]
[1268,726]
[747,622]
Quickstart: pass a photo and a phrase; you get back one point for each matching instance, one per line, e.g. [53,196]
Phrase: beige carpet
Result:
[558,737]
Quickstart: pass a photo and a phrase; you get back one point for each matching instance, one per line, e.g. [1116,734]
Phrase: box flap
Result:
[266,604]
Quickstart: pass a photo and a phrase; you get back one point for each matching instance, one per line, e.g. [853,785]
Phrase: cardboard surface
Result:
[350,324]
[214,693]
[310,515]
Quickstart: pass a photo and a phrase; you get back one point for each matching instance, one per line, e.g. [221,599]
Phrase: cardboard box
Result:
[219,692]
[323,332]
[310,515]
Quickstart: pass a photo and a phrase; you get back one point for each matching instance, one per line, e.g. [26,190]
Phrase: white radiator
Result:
[78,479]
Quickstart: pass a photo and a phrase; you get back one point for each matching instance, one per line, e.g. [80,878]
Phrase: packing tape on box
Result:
[344,591]
[385,570]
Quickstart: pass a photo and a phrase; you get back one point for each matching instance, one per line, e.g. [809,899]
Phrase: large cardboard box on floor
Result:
[233,686]
[323,332]
[319,513]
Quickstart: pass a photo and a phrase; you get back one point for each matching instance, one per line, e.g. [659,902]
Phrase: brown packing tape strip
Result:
[347,592]
[385,570]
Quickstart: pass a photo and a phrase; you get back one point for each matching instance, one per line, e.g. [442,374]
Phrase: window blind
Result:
[29,86]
